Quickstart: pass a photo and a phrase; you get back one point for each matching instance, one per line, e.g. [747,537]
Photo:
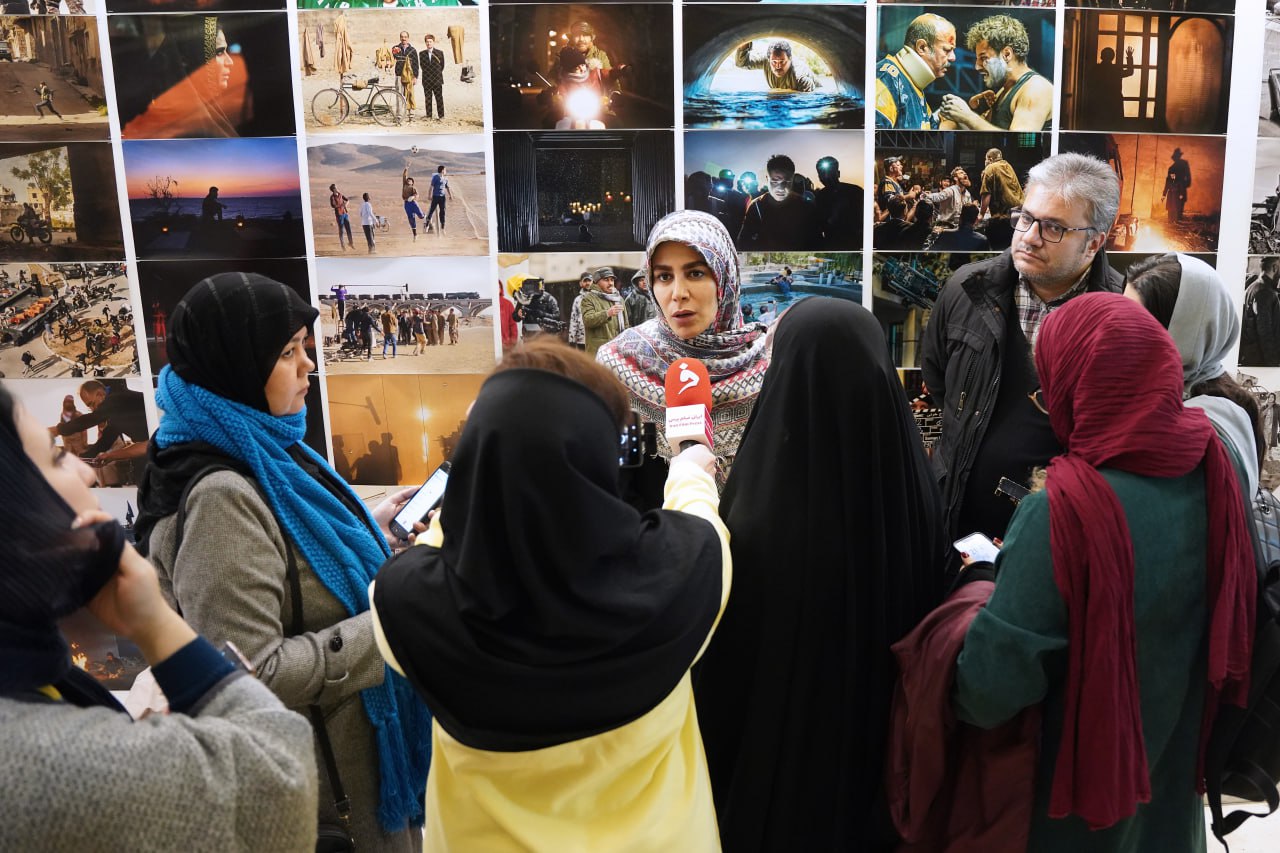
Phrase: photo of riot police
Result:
[777,191]
[1170,188]
[1151,72]
[744,67]
[556,68]
[202,76]
[966,68]
[575,191]
[950,191]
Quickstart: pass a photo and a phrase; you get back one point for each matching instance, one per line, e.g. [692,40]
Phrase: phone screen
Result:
[422,502]
[978,547]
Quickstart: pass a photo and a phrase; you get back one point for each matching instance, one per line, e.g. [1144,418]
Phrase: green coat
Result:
[1014,656]
[601,328]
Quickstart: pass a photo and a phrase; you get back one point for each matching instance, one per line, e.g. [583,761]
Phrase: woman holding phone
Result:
[271,524]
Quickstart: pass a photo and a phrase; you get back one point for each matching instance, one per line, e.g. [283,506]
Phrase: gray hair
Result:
[1081,181]
[781,45]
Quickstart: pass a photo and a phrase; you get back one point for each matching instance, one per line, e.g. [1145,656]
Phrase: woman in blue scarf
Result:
[230,542]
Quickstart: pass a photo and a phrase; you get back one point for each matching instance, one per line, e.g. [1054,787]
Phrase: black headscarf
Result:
[837,550]
[225,335]
[49,570]
[554,611]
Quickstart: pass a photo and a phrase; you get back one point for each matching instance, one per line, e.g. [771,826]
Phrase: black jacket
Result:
[961,357]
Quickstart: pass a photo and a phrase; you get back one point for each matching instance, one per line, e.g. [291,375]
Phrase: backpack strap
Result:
[341,801]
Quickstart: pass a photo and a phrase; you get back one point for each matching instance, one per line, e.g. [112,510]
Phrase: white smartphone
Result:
[979,548]
[424,500]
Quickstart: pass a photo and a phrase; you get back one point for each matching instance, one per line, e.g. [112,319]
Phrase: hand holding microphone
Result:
[688,391]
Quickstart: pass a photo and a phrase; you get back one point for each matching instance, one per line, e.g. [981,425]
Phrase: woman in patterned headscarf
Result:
[694,280]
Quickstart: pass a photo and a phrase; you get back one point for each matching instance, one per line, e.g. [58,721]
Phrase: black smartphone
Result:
[1011,490]
[630,447]
[427,498]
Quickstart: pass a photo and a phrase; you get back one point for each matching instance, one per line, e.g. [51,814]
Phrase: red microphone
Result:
[688,390]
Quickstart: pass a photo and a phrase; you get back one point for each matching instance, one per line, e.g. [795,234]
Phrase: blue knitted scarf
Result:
[341,549]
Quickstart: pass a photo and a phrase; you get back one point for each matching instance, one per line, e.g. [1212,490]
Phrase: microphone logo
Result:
[688,378]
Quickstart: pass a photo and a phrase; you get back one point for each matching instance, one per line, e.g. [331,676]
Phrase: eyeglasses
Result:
[1037,399]
[1052,232]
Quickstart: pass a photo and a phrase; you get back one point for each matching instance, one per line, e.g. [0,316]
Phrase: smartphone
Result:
[979,548]
[1011,490]
[427,498]
[630,447]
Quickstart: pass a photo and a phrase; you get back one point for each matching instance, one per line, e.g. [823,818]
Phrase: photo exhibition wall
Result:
[415,163]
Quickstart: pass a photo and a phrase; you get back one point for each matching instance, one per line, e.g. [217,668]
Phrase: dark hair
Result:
[429,36]
[439,169]
[555,356]
[780,163]
[1157,280]
[969,214]
[8,414]
[366,196]
[923,211]
[897,206]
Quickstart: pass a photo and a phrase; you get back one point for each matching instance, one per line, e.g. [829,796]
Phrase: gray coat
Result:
[229,582]
[235,774]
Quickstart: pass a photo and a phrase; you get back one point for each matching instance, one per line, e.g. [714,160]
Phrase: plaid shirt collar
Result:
[1032,309]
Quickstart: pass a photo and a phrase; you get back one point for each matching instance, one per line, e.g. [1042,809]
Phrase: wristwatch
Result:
[236,658]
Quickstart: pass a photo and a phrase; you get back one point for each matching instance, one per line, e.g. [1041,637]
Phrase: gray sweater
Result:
[227,777]
[229,582]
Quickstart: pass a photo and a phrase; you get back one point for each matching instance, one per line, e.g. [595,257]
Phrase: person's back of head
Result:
[554,356]
[897,207]
[969,215]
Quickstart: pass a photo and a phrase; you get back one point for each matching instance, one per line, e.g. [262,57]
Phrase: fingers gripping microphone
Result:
[688,390]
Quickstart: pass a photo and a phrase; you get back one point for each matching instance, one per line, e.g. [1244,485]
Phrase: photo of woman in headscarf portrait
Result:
[202,76]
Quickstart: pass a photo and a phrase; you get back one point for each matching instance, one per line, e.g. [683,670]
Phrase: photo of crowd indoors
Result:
[202,76]
[581,191]
[55,88]
[412,196]
[392,430]
[950,192]
[809,197]
[413,327]
[965,68]
[215,198]
[557,69]
[1146,72]
[1171,188]
[745,69]
[58,202]
[390,69]
[66,320]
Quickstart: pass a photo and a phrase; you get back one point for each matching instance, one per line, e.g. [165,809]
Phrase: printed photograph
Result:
[53,90]
[1153,72]
[103,421]
[58,202]
[1170,188]
[546,290]
[71,320]
[774,281]
[1269,101]
[1260,318]
[965,68]
[1264,223]
[162,284]
[577,191]
[419,315]
[215,198]
[556,68]
[745,66]
[396,430]
[950,191]
[777,191]
[202,76]
[115,6]
[383,4]
[394,70]
[52,7]
[403,196]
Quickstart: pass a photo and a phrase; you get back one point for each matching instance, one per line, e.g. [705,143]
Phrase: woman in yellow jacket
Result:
[550,627]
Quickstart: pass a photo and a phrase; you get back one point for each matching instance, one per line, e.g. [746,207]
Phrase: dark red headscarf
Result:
[1091,354]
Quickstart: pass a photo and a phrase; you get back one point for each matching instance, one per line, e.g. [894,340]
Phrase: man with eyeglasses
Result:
[977,349]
